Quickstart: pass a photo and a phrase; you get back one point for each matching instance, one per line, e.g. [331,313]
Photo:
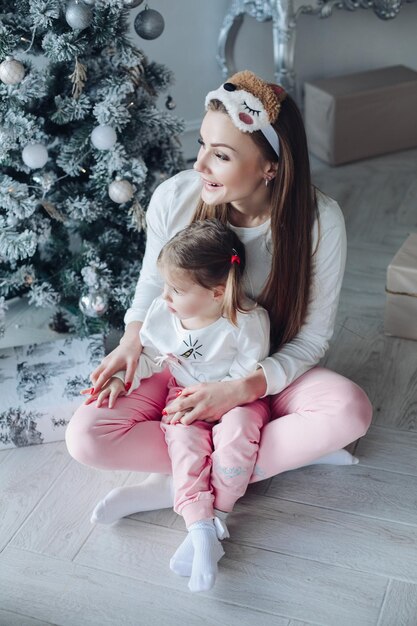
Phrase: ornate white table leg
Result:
[283,32]
[229,30]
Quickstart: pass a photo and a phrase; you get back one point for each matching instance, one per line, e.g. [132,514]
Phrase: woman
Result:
[252,172]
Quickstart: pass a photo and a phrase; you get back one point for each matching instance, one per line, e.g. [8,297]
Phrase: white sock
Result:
[182,560]
[155,492]
[340,457]
[207,553]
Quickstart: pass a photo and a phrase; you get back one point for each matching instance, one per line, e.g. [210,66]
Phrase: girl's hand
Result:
[205,401]
[124,357]
[112,389]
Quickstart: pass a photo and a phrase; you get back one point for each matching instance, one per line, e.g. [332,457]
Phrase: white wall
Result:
[346,42]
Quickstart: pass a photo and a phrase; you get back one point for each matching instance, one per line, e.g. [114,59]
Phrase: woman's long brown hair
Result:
[286,292]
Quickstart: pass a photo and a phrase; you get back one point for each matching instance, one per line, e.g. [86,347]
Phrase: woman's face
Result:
[231,165]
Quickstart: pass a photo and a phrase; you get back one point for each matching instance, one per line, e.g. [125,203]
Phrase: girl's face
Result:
[186,299]
[231,165]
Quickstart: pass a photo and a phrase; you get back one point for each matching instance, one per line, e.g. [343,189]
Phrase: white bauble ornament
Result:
[78,15]
[11,71]
[103,137]
[149,24]
[94,303]
[121,191]
[35,155]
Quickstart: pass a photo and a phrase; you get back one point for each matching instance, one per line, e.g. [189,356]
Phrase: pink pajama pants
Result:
[213,462]
[318,413]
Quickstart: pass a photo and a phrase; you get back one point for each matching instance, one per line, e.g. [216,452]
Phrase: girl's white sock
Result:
[207,553]
[154,493]
[340,457]
[182,561]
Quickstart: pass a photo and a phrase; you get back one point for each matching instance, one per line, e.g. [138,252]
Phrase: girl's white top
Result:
[171,208]
[220,351]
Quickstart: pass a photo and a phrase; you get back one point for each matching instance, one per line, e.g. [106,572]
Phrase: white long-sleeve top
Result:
[171,208]
[218,352]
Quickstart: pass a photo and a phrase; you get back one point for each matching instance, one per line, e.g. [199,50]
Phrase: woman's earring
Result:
[266,182]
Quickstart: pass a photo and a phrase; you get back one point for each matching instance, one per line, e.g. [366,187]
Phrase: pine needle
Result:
[78,79]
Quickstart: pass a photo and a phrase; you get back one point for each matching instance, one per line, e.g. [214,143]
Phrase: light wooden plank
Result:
[358,353]
[4,454]
[16,619]
[400,605]
[341,539]
[389,449]
[25,476]
[60,523]
[356,489]
[248,577]
[70,594]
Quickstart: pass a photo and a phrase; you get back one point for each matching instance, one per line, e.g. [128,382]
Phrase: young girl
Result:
[205,329]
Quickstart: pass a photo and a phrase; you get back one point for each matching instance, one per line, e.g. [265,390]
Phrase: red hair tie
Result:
[235,257]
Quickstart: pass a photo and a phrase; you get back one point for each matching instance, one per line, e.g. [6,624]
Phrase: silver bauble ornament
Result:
[103,137]
[149,24]
[11,71]
[34,155]
[170,103]
[78,15]
[94,303]
[132,4]
[121,191]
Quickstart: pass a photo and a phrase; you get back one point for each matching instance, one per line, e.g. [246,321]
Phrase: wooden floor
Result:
[321,545]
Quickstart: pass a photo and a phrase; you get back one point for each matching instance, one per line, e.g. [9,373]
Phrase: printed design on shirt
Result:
[192,348]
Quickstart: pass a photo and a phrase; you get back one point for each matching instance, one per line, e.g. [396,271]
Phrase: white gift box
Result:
[401,303]
[40,388]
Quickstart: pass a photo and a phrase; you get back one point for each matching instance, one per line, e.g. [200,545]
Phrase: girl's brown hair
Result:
[214,255]
[286,292]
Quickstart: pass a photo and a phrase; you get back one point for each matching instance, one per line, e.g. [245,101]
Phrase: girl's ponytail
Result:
[233,294]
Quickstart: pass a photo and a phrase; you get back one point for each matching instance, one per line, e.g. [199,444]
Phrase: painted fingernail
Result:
[179,392]
[128,386]
[93,391]
[164,412]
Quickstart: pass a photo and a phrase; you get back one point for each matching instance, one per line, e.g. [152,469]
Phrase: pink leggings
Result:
[317,414]
[212,463]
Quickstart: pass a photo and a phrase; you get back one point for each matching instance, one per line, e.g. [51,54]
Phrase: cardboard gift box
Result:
[401,305]
[40,388]
[362,115]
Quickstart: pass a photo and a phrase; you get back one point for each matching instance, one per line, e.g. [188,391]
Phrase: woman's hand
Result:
[124,357]
[205,401]
[112,389]
[208,402]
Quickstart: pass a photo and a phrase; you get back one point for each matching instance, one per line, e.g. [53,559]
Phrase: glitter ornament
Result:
[78,15]
[132,4]
[34,155]
[46,180]
[103,137]
[170,103]
[11,71]
[149,24]
[94,303]
[121,191]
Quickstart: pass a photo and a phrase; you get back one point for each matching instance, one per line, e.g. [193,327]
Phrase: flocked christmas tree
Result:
[82,146]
